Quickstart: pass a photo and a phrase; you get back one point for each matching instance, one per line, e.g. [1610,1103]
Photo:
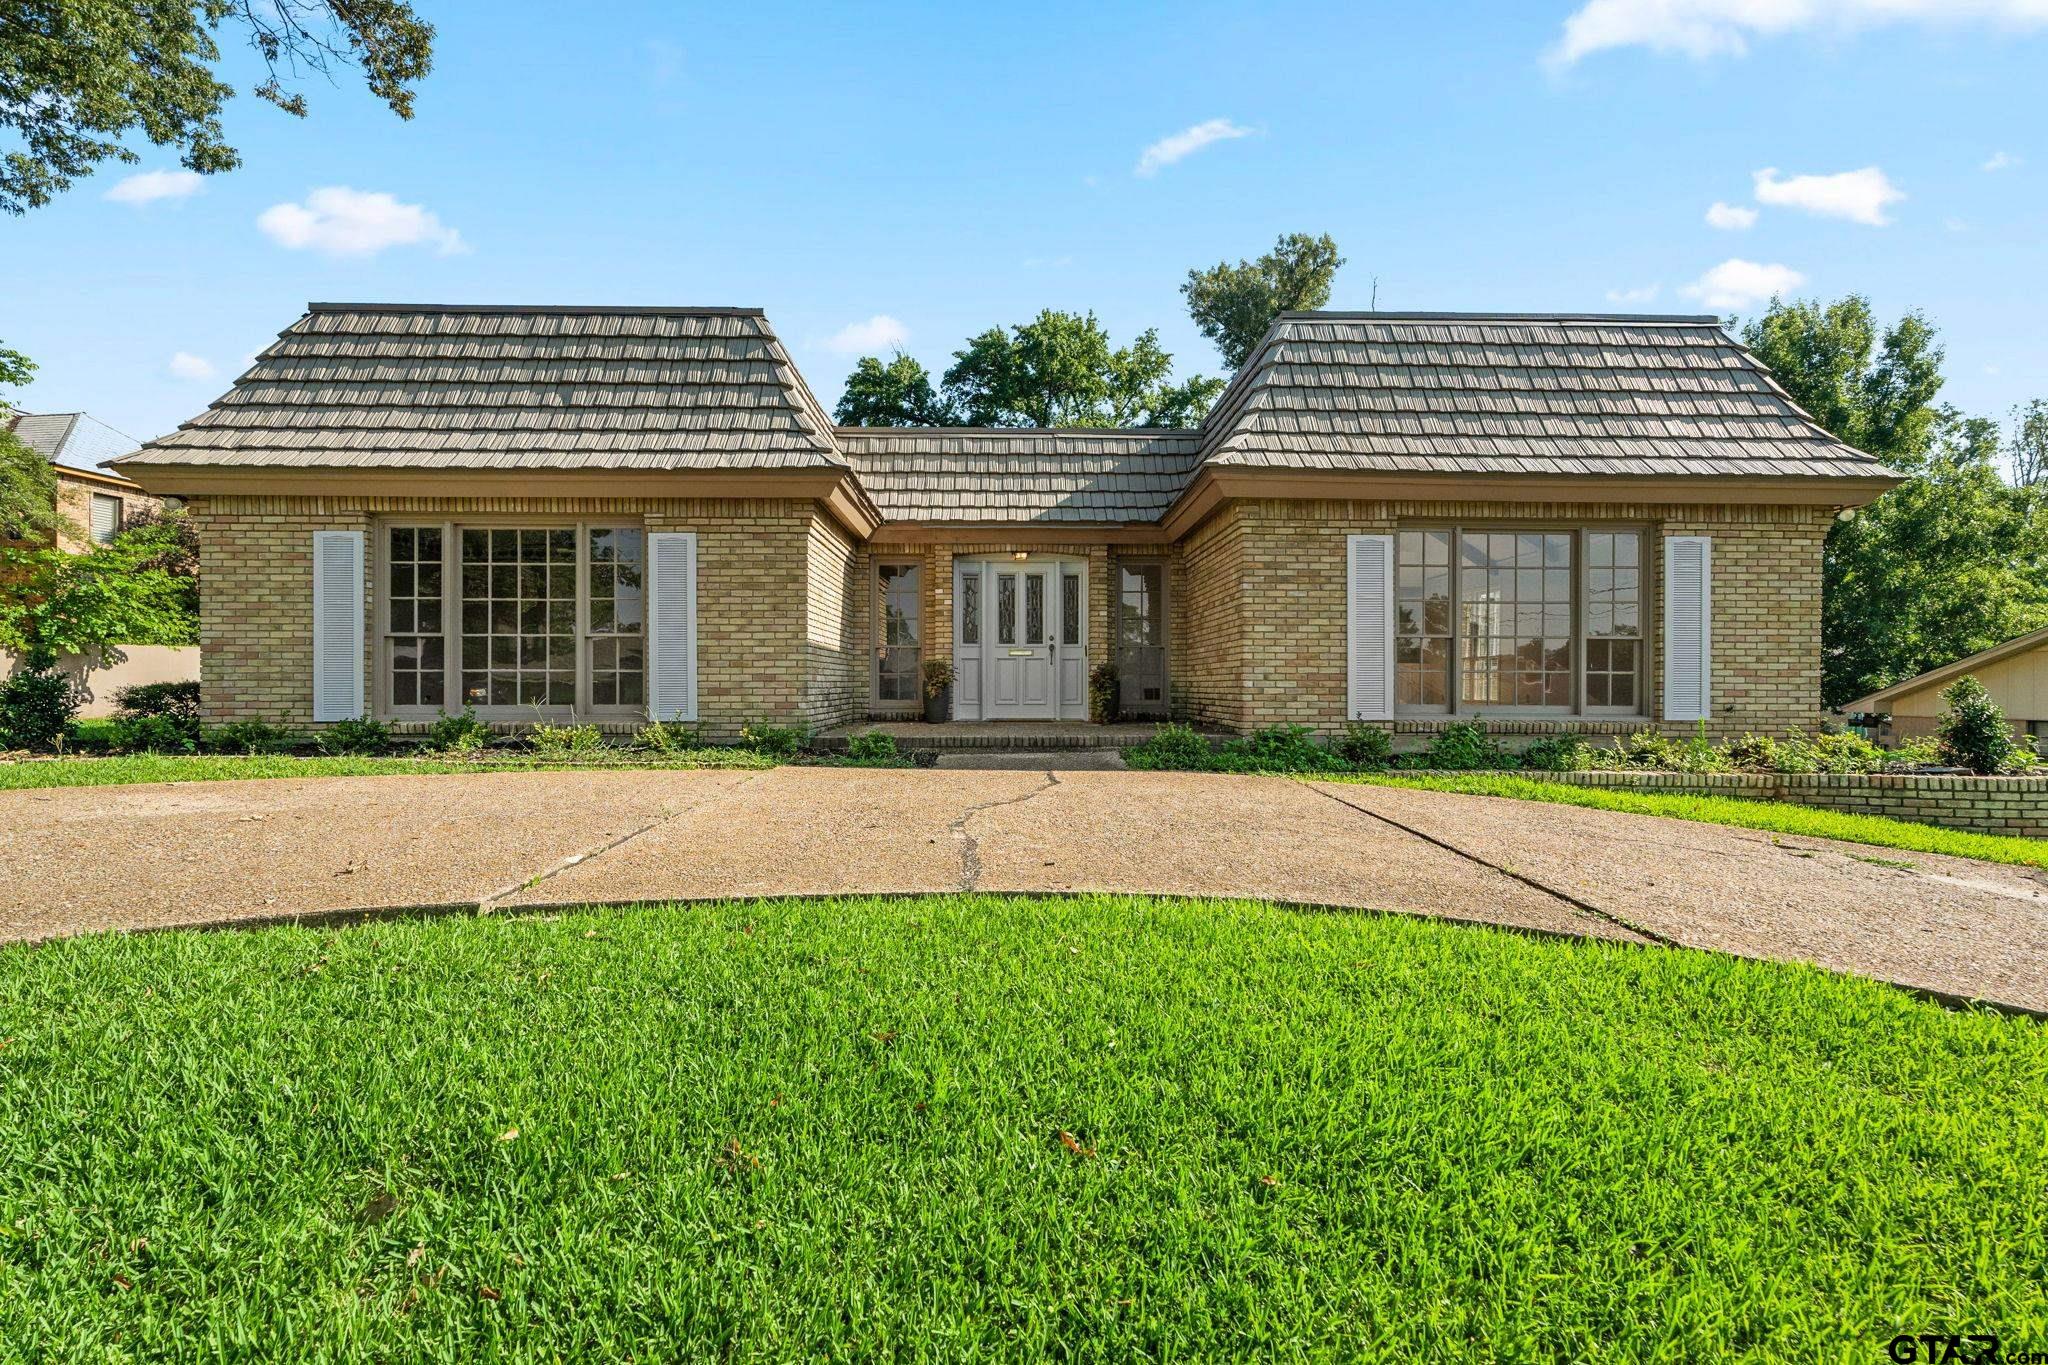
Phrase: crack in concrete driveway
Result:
[970,846]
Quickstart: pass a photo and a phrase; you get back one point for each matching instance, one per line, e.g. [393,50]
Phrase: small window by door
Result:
[106,518]
[899,635]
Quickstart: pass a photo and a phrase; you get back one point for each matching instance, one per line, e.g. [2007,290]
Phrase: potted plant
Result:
[938,690]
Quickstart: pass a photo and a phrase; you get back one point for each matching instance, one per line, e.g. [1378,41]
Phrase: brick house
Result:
[95,504]
[1583,522]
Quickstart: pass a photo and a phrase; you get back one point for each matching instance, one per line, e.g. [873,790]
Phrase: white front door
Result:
[1023,647]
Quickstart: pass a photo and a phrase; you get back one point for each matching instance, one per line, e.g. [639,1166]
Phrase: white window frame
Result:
[1646,586]
[451,619]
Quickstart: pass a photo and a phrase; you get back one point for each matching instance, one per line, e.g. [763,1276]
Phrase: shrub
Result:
[874,747]
[1105,694]
[248,737]
[355,737]
[1845,751]
[938,676]
[463,734]
[178,700]
[1556,754]
[776,741]
[1464,746]
[557,742]
[36,705]
[1974,733]
[1278,748]
[1646,748]
[669,737]
[153,735]
[1755,754]
[1368,748]
[1173,748]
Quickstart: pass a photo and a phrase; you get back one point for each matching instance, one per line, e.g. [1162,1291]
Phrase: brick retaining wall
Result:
[1986,805]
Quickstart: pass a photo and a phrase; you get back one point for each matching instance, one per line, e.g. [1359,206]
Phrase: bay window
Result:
[1539,622]
[512,620]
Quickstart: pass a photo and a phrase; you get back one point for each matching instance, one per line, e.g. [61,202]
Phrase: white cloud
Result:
[1859,196]
[346,222]
[1730,217]
[185,365]
[879,333]
[1737,283]
[1723,28]
[1187,142]
[1642,293]
[2000,161]
[146,187]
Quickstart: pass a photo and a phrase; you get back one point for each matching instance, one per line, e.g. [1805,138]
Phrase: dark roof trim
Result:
[1012,433]
[1674,319]
[587,309]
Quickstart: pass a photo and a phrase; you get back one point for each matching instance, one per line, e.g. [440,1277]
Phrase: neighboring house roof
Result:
[74,441]
[432,387]
[1518,394]
[1936,677]
[978,474]
[398,387]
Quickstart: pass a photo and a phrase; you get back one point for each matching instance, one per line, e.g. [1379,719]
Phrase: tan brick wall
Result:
[1987,805]
[1210,612]
[772,643]
[1267,590]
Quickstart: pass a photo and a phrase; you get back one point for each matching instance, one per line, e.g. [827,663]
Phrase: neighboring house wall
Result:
[2018,683]
[74,506]
[1268,590]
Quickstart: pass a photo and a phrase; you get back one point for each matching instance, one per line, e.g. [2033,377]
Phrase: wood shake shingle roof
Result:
[1445,393]
[390,387]
[357,385]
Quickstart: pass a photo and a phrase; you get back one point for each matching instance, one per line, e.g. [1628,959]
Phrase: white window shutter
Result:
[672,625]
[1370,613]
[1688,627]
[106,518]
[337,625]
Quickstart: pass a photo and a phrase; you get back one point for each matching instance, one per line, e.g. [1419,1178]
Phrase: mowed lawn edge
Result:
[975,1126]
[1778,817]
[135,769]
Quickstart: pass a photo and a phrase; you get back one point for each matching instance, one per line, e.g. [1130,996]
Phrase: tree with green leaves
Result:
[2027,450]
[28,485]
[1233,305]
[898,394]
[1059,370]
[1952,561]
[127,592]
[80,78]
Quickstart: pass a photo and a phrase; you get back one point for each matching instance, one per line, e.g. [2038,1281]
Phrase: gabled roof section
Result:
[990,475]
[76,440]
[1516,394]
[404,386]
[1947,673]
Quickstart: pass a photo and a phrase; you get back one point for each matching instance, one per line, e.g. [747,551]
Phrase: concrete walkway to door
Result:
[90,858]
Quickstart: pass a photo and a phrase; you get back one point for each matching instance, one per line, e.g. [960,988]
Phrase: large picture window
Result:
[512,620]
[1544,621]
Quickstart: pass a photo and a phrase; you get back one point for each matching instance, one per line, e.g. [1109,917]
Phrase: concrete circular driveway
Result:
[89,858]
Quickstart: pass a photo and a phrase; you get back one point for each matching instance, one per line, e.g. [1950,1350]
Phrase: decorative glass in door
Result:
[1141,638]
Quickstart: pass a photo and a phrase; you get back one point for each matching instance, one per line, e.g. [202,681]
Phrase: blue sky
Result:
[945,168]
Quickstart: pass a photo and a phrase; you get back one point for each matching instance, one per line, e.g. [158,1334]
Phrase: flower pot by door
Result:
[938,705]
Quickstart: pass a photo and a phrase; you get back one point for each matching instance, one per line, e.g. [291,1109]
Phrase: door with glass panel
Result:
[1141,639]
[1023,648]
[899,637]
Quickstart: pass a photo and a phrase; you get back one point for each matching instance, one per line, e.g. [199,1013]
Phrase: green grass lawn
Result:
[973,1127]
[127,769]
[1777,816]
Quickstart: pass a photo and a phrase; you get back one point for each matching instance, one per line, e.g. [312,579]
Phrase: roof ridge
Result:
[1367,315]
[1021,431]
[589,309]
